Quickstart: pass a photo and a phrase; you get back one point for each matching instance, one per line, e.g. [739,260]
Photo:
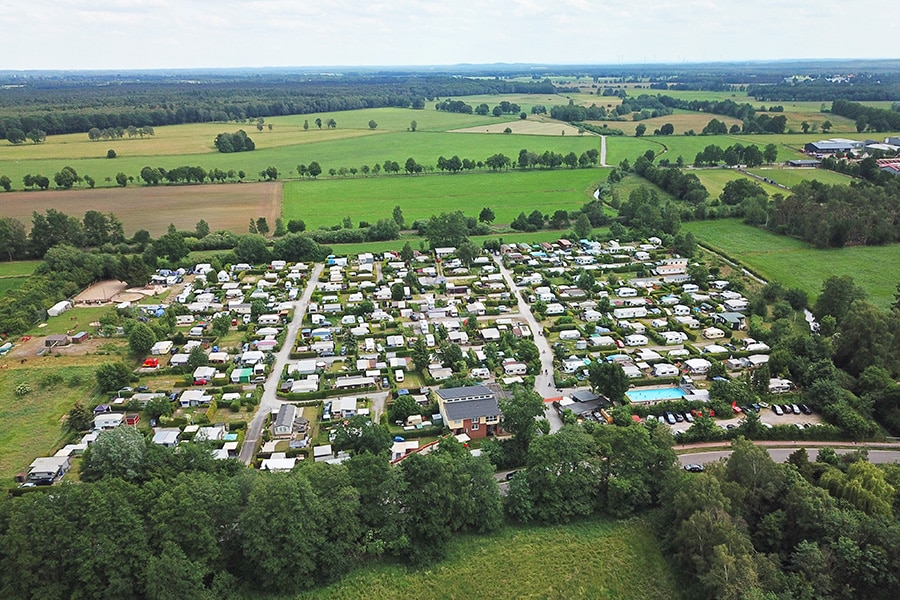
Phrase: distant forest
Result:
[85,103]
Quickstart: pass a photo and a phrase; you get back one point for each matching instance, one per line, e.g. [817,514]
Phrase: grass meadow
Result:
[33,423]
[592,559]
[791,177]
[795,263]
[421,196]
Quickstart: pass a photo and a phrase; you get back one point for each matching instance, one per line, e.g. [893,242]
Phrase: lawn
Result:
[72,321]
[19,268]
[795,263]
[374,198]
[593,559]
[792,177]
[31,424]
[715,179]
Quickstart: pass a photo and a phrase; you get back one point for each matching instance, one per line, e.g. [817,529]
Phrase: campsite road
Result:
[269,400]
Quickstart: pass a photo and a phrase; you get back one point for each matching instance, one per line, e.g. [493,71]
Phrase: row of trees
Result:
[96,134]
[737,154]
[868,118]
[163,523]
[682,185]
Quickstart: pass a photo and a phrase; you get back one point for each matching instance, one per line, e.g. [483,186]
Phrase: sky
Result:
[168,34]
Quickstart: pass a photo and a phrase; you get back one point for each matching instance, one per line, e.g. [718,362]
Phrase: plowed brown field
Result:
[224,206]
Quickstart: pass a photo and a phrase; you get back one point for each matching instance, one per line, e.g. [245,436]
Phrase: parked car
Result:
[510,475]
[805,409]
[688,417]
[795,409]
[777,410]
[670,418]
[679,417]
[693,468]
[201,381]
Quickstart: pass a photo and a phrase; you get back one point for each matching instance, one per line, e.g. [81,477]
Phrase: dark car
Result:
[693,468]
[679,417]
[511,474]
[805,409]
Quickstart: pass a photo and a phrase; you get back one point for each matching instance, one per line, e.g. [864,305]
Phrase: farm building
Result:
[832,146]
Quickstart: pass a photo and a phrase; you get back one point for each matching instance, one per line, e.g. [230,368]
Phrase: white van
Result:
[398,376]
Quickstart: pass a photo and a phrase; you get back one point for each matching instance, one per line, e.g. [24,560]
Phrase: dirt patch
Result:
[223,206]
[25,351]
[538,127]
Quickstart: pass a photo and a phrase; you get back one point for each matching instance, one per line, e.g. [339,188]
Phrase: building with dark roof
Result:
[472,410]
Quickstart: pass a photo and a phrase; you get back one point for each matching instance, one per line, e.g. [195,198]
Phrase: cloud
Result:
[122,34]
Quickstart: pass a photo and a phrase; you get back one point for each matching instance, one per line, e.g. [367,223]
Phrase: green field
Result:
[715,179]
[791,177]
[594,560]
[795,263]
[421,196]
[19,268]
[31,424]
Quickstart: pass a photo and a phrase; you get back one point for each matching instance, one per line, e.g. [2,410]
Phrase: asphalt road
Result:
[269,400]
[782,454]
[543,381]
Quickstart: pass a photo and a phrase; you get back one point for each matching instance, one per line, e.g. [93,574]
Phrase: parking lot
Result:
[766,415]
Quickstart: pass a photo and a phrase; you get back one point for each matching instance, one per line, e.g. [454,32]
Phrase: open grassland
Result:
[32,424]
[715,179]
[792,177]
[18,268]
[225,206]
[594,559]
[795,263]
[326,202]
[72,321]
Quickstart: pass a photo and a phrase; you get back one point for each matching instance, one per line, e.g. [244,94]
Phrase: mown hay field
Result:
[326,202]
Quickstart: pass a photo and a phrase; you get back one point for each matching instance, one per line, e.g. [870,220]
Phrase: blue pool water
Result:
[669,393]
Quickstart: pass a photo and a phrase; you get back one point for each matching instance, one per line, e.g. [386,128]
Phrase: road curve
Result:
[269,400]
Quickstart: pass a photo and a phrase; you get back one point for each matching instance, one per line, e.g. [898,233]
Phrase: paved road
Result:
[543,381]
[269,399]
[782,454]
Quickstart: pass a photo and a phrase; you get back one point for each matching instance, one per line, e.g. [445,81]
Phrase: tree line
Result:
[161,522]
[78,105]
[833,216]
[751,528]
[865,87]
[868,118]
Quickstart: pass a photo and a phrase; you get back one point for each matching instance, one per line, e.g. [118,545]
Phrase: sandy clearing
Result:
[526,127]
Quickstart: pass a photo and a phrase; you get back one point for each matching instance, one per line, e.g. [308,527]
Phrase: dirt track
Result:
[224,206]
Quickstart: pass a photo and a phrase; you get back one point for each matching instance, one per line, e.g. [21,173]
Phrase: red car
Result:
[201,381]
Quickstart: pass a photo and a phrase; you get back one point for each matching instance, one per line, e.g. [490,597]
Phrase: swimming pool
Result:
[654,395]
